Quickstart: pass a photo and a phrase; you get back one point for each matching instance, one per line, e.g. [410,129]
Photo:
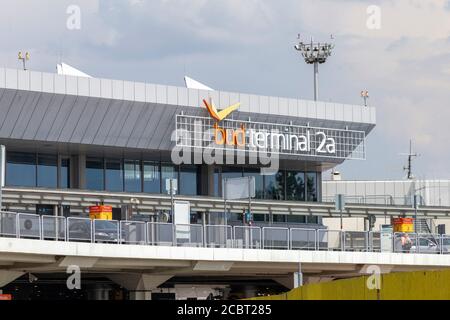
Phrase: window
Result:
[274,186]
[296,219]
[216,182]
[20,169]
[295,186]
[188,180]
[259,181]
[311,186]
[47,170]
[114,175]
[168,172]
[132,176]
[152,181]
[94,174]
[64,177]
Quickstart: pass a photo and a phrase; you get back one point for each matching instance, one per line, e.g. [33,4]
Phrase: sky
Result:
[398,50]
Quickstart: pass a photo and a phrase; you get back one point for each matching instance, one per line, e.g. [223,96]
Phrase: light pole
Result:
[315,53]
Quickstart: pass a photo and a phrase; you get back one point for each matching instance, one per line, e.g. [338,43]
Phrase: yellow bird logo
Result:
[222,114]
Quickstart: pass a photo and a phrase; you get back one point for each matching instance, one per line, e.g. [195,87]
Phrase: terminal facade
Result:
[75,142]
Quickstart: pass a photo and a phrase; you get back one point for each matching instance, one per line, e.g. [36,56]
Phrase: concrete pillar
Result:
[77,171]
[8,276]
[139,285]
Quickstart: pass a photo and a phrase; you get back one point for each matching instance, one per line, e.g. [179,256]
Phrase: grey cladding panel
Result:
[45,126]
[11,117]
[141,123]
[108,119]
[5,104]
[68,126]
[85,120]
[130,123]
[166,142]
[63,112]
[38,115]
[160,128]
[25,116]
[117,125]
[93,127]
[144,141]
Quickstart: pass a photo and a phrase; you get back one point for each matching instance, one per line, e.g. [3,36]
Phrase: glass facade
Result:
[20,169]
[274,186]
[133,181]
[259,181]
[152,179]
[113,175]
[64,177]
[95,174]
[47,170]
[131,175]
[311,186]
[295,186]
[188,180]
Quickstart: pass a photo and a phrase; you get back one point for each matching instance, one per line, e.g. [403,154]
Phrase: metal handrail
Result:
[251,236]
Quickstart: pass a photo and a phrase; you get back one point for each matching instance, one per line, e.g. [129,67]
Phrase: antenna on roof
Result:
[410,155]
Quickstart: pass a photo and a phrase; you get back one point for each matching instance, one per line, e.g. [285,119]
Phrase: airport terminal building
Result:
[114,138]
[76,142]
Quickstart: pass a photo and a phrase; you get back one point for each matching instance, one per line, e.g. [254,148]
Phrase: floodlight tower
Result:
[315,53]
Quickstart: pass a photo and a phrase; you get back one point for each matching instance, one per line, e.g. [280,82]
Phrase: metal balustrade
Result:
[53,228]
[303,239]
[247,237]
[275,238]
[219,236]
[133,232]
[330,240]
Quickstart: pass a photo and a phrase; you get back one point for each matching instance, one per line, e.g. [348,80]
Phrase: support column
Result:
[8,276]
[139,285]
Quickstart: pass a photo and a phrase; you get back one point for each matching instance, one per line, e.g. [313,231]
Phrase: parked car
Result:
[104,231]
[429,244]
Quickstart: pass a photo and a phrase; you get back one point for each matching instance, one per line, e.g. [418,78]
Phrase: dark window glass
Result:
[168,172]
[133,176]
[94,174]
[274,186]
[20,169]
[216,182]
[232,172]
[47,171]
[188,180]
[114,175]
[64,178]
[311,186]
[259,182]
[296,219]
[152,180]
[313,219]
[259,217]
[279,218]
[295,186]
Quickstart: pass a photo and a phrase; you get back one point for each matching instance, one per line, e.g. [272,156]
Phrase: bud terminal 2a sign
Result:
[218,131]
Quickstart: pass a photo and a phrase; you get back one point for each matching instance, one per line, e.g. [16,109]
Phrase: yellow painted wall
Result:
[420,285]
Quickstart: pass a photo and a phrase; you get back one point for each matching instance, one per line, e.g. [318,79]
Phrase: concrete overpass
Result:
[139,267]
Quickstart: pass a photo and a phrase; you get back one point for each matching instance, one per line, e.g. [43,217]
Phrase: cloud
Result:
[248,46]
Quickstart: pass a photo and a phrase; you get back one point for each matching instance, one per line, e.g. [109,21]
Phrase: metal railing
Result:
[52,228]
